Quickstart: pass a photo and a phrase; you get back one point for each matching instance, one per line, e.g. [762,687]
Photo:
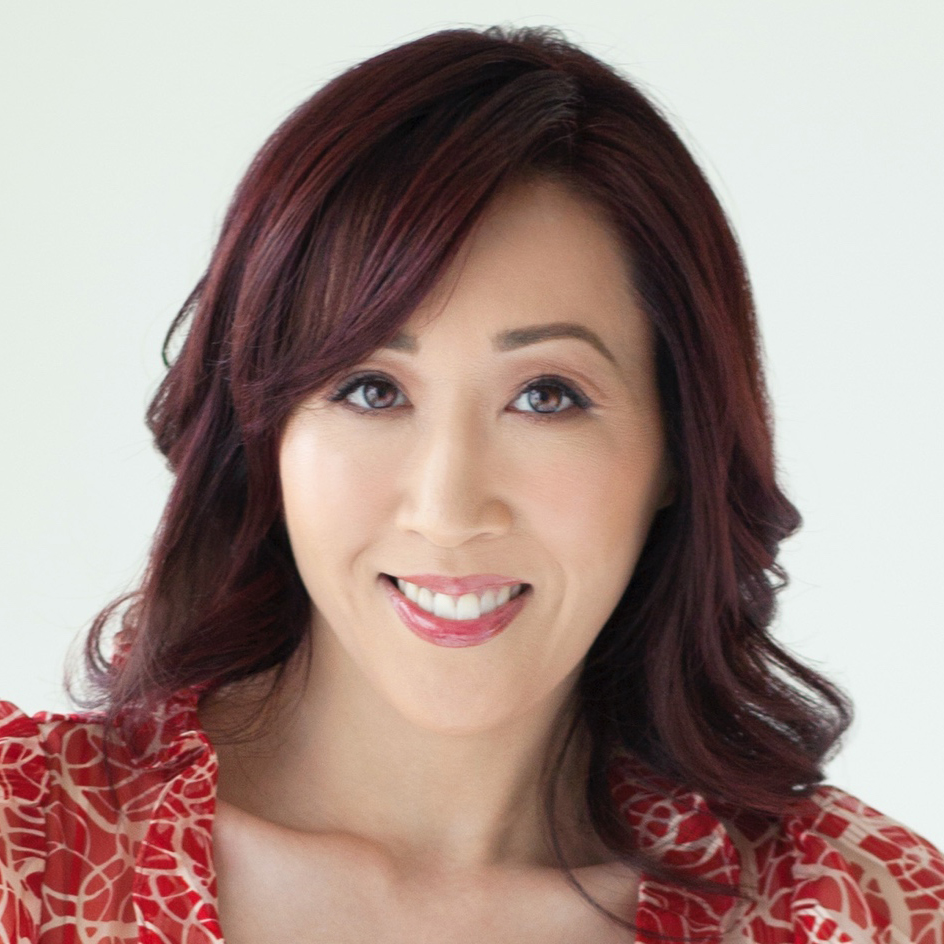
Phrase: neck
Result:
[331,756]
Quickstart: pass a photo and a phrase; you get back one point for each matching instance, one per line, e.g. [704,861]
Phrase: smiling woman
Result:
[456,625]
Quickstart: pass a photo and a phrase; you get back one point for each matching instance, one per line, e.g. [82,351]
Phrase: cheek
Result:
[331,498]
[598,499]
[592,510]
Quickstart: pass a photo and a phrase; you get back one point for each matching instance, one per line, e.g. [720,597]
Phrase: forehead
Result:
[542,262]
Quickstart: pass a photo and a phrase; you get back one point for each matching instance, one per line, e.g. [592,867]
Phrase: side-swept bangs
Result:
[358,202]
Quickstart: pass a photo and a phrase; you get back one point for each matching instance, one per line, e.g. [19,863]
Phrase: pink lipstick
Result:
[453,633]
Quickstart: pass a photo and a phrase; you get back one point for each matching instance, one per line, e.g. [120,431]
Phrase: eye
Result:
[549,393]
[373,393]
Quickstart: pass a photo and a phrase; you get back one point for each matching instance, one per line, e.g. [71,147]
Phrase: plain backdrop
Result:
[125,128]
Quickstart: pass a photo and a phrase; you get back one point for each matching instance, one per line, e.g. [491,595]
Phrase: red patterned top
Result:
[76,867]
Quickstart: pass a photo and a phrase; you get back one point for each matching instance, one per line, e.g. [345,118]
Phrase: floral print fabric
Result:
[75,866]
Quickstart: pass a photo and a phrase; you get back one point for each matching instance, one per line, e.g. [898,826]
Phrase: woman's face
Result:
[513,431]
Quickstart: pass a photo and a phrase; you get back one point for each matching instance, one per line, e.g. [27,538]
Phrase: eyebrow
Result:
[520,337]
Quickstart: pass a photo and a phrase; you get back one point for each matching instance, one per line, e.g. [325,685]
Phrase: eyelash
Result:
[579,400]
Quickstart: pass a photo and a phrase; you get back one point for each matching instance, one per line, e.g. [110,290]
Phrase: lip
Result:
[456,586]
[453,634]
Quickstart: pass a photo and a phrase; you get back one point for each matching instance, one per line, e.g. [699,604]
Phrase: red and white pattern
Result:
[77,867]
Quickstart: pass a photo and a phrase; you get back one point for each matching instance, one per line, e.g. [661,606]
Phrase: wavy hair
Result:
[341,226]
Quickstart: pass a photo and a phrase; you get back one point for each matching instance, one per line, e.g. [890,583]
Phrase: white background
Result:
[125,128]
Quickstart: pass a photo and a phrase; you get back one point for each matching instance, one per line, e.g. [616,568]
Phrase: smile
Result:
[455,622]
[463,607]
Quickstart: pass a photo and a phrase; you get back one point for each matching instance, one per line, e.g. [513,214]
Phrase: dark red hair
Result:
[342,225]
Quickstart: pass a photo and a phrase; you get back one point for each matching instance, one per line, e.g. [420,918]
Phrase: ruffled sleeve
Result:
[24,785]
[840,871]
[92,858]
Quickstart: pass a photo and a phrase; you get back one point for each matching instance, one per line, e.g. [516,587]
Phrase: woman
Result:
[456,624]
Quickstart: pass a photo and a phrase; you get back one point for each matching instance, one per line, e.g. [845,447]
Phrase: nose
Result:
[449,493]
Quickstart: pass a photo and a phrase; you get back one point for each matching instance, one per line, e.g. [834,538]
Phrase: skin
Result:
[412,768]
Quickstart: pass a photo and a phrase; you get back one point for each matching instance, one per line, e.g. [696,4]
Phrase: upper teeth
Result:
[467,606]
